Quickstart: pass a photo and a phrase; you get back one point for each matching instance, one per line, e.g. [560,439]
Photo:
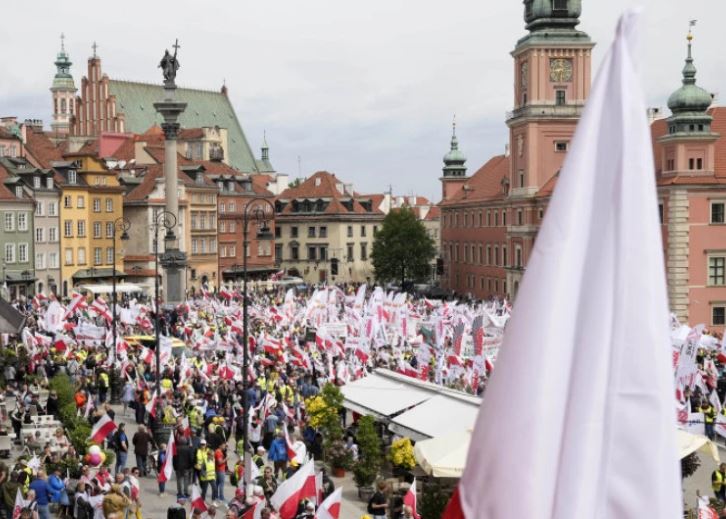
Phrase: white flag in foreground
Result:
[578,419]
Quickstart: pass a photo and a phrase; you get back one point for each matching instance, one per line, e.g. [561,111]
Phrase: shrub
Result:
[366,469]
[401,453]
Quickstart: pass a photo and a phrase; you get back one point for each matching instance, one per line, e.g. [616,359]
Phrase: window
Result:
[718,315]
[97,230]
[496,218]
[716,270]
[221,207]
[109,229]
[213,245]
[22,221]
[232,250]
[72,177]
[349,252]
[9,221]
[69,257]
[81,202]
[541,213]
[37,182]
[68,228]
[202,246]
[81,225]
[67,202]
[560,97]
[52,260]
[521,178]
[699,164]
[660,213]
[294,253]
[52,234]
[505,259]
[39,209]
[96,205]
[22,253]
[231,226]
[293,232]
[97,253]
[520,217]
[49,183]
[362,231]
[691,164]
[52,209]
[375,230]
[223,227]
[19,191]
[323,232]
[466,253]
[195,246]
[350,231]
[489,219]
[559,5]
[504,217]
[109,205]
[195,225]
[364,252]
[202,220]
[489,254]
[39,235]
[9,253]
[311,253]
[230,207]
[718,215]
[311,232]
[479,219]
[109,255]
[561,146]
[496,255]
[81,255]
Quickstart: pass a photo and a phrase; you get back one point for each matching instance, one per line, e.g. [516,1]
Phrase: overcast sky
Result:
[366,90]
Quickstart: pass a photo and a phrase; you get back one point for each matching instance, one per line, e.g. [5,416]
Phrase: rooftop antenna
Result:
[94,46]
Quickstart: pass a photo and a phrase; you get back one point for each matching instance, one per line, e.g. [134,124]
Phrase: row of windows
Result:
[204,246]
[489,219]
[481,255]
[12,257]
[80,256]
[320,252]
[81,203]
[40,234]
[322,231]
[49,208]
[40,262]
[202,221]
[490,284]
[206,198]
[38,182]
[11,217]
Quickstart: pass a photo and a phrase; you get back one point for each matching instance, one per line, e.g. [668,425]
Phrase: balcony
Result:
[545,111]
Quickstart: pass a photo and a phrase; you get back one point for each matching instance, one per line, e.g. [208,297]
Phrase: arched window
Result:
[63,106]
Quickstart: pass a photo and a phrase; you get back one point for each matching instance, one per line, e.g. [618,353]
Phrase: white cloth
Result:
[578,419]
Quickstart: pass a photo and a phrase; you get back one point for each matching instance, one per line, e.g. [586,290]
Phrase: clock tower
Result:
[552,66]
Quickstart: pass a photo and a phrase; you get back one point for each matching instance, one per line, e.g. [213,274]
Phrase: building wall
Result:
[202,249]
[336,242]
[14,238]
[47,251]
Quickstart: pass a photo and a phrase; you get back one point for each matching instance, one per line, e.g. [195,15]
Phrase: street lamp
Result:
[120,225]
[167,220]
[255,208]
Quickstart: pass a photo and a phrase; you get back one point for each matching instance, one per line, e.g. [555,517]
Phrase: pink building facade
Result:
[490,220]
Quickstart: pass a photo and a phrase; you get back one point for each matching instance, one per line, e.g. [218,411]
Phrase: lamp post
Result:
[256,207]
[120,225]
[167,220]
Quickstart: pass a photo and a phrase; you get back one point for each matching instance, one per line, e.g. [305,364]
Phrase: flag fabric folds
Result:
[299,486]
[578,419]
[101,429]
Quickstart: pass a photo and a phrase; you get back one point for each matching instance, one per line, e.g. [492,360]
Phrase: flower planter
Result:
[365,493]
[338,472]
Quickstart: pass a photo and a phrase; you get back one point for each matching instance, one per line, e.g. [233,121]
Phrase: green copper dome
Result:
[552,14]
[690,97]
[454,156]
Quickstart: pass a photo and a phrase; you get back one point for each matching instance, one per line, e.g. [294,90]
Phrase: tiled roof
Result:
[485,184]
[41,149]
[7,134]
[5,193]
[320,185]
[204,108]
[434,213]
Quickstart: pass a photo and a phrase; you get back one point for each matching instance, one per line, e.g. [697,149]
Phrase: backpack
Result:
[84,510]
[115,442]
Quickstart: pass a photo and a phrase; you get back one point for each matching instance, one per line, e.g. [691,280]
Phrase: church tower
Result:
[552,65]
[454,170]
[63,92]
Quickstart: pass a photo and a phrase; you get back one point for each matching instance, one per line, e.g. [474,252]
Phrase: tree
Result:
[402,249]
[370,457]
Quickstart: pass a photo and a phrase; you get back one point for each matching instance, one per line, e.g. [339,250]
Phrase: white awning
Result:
[107,289]
[438,416]
[380,396]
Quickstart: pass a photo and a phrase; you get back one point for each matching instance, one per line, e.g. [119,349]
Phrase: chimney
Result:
[35,124]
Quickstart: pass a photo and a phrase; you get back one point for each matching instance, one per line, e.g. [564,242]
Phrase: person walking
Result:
[141,441]
[121,446]
[220,468]
[718,482]
[205,465]
[278,454]
[183,463]
[42,494]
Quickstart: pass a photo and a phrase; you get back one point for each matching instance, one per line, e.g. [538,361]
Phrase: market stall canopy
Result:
[381,396]
[440,415]
[107,289]
[688,443]
[445,456]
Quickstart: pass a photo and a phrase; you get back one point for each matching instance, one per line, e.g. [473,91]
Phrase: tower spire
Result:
[63,42]
[265,148]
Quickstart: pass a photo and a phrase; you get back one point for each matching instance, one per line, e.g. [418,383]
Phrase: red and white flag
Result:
[151,404]
[330,508]
[704,509]
[299,486]
[592,379]
[20,503]
[165,472]
[77,301]
[197,501]
[101,429]
[255,511]
[410,499]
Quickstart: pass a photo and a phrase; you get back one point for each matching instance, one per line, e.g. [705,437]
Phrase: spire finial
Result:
[63,42]
[94,47]
[691,25]
[454,125]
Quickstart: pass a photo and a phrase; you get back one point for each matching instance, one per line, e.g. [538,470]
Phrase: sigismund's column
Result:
[173,260]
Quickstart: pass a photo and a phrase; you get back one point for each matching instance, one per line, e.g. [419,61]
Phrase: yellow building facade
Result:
[91,201]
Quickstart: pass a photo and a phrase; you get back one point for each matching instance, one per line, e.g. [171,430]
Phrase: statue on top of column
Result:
[169,65]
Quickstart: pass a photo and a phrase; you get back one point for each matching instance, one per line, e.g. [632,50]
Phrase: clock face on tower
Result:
[560,70]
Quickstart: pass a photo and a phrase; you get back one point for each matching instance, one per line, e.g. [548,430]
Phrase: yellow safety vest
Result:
[709,414]
[104,379]
[206,462]
[718,483]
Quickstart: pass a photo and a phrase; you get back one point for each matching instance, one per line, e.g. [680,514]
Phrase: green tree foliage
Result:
[402,250]
[370,458]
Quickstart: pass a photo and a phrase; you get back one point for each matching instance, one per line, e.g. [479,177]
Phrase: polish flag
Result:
[197,501]
[151,405]
[602,373]
[255,511]
[299,486]
[20,503]
[410,499]
[704,509]
[330,508]
[102,429]
[165,472]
